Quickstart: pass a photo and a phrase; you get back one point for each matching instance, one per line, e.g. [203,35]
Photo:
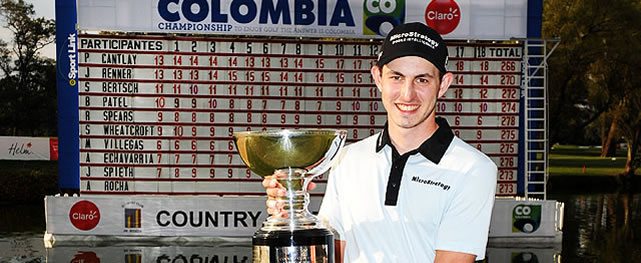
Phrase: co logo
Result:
[380,16]
[380,6]
[522,210]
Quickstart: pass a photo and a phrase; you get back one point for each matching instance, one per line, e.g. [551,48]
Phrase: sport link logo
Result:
[526,218]
[380,16]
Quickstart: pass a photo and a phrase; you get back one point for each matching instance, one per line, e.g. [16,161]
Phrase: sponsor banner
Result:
[523,255]
[241,252]
[202,216]
[67,93]
[53,149]
[525,218]
[213,252]
[157,216]
[27,148]
[455,19]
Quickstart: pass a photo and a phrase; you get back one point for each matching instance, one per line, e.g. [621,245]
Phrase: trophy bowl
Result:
[266,151]
[294,157]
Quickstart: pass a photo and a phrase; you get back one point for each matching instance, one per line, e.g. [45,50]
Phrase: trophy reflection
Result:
[296,156]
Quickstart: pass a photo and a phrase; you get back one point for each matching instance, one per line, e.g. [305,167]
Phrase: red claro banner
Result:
[443,15]
[53,149]
[84,215]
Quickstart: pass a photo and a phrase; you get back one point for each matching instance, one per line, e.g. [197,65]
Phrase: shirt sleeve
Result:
[466,222]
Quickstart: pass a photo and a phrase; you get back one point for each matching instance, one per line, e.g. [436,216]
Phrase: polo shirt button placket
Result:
[395,169]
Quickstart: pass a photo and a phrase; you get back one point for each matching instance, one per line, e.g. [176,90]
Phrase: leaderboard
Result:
[157,113]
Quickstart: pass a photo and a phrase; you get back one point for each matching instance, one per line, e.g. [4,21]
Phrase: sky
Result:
[43,8]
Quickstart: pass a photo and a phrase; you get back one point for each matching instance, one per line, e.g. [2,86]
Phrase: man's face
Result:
[409,87]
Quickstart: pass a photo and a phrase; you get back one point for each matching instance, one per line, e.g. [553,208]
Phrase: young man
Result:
[414,192]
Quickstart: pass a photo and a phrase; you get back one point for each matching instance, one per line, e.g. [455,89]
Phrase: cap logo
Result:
[414,39]
[413,36]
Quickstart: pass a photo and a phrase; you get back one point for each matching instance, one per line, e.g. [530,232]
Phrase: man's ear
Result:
[377,74]
[446,81]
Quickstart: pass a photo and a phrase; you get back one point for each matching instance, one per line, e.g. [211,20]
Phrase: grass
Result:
[567,160]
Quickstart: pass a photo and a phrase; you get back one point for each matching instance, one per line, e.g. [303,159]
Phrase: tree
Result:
[575,25]
[628,115]
[596,71]
[582,85]
[615,74]
[27,87]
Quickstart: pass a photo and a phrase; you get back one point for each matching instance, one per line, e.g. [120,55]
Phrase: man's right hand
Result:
[277,194]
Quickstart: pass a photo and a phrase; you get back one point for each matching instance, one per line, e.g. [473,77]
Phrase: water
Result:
[601,227]
[597,228]
[21,231]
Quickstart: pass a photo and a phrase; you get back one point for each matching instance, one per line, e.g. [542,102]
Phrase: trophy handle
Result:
[325,163]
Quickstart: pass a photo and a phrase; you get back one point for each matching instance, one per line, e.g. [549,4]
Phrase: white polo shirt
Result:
[392,208]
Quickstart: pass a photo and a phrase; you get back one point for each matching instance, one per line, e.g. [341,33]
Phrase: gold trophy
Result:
[297,155]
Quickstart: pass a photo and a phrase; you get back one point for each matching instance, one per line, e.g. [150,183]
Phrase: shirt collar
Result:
[433,148]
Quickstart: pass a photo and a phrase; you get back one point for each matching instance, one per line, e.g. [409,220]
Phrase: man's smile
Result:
[407,107]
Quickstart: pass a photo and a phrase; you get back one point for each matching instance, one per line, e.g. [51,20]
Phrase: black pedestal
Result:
[299,246]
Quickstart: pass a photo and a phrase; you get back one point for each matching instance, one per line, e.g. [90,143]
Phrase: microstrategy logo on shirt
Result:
[430,182]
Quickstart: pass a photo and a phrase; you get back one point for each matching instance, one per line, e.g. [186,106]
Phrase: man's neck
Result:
[408,139]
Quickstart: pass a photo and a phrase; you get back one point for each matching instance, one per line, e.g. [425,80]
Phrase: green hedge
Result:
[27,181]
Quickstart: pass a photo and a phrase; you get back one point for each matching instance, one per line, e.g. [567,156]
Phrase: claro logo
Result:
[84,215]
[85,257]
[73,64]
[443,15]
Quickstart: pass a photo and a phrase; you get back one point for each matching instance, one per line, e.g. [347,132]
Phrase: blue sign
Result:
[67,84]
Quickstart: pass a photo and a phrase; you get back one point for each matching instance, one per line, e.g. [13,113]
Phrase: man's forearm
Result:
[339,250]
[443,256]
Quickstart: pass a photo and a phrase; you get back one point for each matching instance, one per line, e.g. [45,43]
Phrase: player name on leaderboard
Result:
[157,112]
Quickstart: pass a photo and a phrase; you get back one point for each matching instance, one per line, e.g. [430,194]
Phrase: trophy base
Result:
[299,246]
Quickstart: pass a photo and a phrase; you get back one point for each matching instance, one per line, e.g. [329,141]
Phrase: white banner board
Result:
[28,148]
[455,19]
[526,218]
[157,216]
[191,218]
[239,252]
[214,252]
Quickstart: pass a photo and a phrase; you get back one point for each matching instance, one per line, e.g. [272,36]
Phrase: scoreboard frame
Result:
[68,26]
